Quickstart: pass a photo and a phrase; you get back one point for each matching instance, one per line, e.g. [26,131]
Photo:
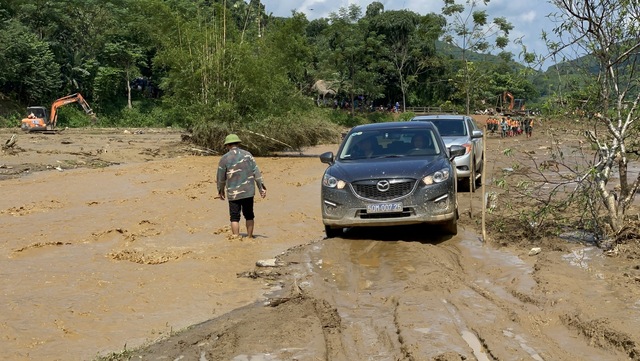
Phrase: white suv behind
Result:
[464,131]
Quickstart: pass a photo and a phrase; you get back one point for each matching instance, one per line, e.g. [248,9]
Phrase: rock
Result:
[268,263]
[534,251]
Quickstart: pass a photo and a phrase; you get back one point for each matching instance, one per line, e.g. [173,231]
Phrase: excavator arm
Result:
[507,95]
[77,97]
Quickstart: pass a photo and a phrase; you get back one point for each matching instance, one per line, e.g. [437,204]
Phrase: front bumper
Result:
[426,204]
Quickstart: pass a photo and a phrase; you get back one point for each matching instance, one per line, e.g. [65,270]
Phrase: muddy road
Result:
[114,246]
[370,296]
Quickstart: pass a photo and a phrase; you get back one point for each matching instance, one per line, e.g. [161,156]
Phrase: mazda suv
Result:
[387,174]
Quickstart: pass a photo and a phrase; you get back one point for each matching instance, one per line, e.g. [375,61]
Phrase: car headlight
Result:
[333,182]
[437,177]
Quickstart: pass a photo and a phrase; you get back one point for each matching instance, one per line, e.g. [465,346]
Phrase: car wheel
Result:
[332,232]
[451,226]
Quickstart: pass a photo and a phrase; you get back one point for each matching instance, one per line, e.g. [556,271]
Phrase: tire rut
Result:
[360,298]
[439,300]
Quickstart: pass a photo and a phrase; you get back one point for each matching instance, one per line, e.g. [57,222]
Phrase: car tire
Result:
[451,227]
[332,232]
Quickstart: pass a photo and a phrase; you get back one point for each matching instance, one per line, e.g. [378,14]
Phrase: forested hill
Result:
[178,62]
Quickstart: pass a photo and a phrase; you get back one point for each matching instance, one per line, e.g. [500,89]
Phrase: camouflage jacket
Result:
[238,172]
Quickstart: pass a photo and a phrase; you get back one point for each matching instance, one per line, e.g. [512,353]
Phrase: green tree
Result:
[123,60]
[291,49]
[194,53]
[219,73]
[75,31]
[409,43]
[470,30]
[608,31]
[353,54]
[29,71]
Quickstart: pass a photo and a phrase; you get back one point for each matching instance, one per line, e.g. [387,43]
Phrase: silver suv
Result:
[464,131]
[386,174]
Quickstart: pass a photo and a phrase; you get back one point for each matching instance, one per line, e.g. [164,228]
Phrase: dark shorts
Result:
[244,205]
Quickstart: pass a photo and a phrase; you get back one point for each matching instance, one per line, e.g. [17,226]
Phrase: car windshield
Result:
[450,127]
[390,143]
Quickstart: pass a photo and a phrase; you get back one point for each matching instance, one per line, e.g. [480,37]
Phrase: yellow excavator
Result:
[38,119]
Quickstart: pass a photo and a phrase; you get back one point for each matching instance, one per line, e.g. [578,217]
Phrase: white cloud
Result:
[529,17]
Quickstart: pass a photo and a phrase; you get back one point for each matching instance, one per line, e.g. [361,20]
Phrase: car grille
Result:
[368,189]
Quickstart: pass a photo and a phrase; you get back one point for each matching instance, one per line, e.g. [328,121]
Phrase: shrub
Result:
[378,117]
[270,134]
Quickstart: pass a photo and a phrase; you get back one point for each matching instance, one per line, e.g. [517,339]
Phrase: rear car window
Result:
[450,127]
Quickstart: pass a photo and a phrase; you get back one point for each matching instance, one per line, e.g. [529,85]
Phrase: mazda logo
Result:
[383,185]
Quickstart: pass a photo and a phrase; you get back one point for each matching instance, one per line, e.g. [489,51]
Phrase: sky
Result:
[529,17]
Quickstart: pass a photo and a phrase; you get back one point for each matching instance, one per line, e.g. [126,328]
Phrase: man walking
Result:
[239,174]
[504,127]
[529,127]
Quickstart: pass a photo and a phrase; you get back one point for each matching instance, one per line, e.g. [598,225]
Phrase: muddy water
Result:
[93,261]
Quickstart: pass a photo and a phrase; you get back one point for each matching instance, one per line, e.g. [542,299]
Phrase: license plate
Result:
[384,207]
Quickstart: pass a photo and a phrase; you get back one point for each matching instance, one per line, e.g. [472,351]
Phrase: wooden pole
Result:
[483,183]
[472,180]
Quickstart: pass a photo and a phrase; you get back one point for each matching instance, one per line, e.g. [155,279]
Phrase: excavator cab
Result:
[38,112]
[37,119]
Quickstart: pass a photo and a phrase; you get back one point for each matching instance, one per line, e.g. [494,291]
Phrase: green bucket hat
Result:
[231,138]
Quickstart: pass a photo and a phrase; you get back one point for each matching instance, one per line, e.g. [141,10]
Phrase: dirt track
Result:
[99,258]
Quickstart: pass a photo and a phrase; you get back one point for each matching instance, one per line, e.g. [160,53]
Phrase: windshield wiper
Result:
[392,156]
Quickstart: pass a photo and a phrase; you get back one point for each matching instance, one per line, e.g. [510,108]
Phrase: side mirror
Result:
[476,134]
[456,151]
[327,157]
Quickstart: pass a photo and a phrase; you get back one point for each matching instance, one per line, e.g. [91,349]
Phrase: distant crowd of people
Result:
[510,127]
[360,104]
